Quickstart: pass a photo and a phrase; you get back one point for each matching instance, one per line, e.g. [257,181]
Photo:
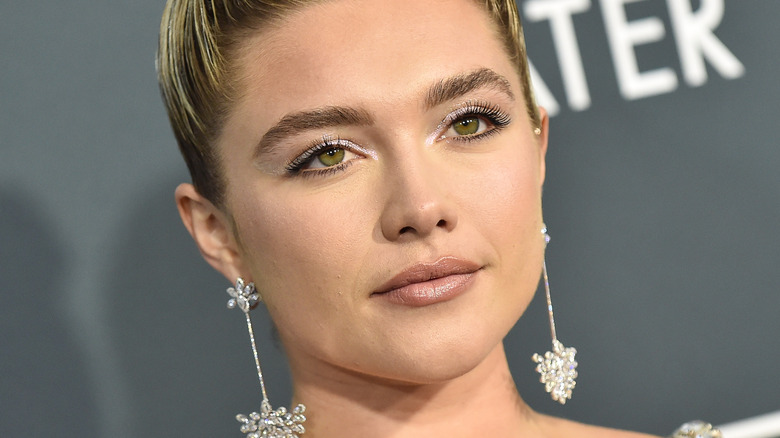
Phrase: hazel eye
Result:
[331,157]
[326,156]
[474,122]
[468,126]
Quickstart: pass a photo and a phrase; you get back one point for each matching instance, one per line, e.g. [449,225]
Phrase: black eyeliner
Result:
[491,112]
[295,166]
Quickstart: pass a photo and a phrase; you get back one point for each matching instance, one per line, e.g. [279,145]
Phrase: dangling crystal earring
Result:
[268,423]
[558,367]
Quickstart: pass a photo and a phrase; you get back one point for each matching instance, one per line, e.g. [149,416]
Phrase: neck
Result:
[481,402]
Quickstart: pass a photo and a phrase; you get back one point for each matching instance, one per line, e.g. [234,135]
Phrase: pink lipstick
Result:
[423,284]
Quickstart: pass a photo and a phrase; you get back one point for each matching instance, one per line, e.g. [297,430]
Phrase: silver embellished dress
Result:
[697,429]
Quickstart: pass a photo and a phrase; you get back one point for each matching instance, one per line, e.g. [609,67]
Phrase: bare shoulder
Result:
[566,428]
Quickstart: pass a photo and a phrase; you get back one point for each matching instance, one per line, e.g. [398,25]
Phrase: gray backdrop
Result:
[662,197]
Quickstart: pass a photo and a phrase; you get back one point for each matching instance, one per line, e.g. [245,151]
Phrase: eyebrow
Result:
[440,92]
[295,123]
[462,84]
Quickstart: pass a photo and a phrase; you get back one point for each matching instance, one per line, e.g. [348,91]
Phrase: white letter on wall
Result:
[559,13]
[695,41]
[623,36]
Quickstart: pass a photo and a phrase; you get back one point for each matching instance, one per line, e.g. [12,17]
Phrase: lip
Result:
[423,284]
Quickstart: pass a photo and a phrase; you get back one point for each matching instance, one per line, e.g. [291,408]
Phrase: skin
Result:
[318,245]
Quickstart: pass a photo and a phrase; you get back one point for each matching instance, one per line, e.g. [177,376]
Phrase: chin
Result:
[438,351]
[437,358]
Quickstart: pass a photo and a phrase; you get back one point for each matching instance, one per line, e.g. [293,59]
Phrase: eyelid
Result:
[492,112]
[296,165]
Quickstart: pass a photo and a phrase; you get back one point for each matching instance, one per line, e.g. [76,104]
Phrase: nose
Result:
[417,204]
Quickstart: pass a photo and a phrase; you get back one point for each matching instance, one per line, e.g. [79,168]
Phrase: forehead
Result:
[337,41]
[357,51]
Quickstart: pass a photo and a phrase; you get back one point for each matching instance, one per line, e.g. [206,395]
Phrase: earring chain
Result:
[269,422]
[558,368]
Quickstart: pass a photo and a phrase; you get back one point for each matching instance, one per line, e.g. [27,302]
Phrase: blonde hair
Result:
[197,39]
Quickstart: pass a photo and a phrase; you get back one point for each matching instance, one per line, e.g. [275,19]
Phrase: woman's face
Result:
[385,185]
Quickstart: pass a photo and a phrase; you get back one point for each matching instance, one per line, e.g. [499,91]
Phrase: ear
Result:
[542,139]
[212,231]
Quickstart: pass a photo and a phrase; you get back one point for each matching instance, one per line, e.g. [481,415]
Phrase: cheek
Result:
[506,192]
[508,215]
[301,250]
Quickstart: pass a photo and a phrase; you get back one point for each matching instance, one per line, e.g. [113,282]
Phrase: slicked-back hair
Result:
[198,44]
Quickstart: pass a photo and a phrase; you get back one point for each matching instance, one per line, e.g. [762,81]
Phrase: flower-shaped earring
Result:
[268,423]
[558,368]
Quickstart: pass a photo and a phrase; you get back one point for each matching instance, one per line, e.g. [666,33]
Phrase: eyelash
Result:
[296,166]
[483,110]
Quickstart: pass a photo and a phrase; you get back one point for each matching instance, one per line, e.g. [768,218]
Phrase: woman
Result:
[375,168]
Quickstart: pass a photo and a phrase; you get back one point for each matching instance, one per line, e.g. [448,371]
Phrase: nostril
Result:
[442,223]
[406,230]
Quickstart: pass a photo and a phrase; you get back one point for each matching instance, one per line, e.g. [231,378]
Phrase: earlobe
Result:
[211,230]
[543,135]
